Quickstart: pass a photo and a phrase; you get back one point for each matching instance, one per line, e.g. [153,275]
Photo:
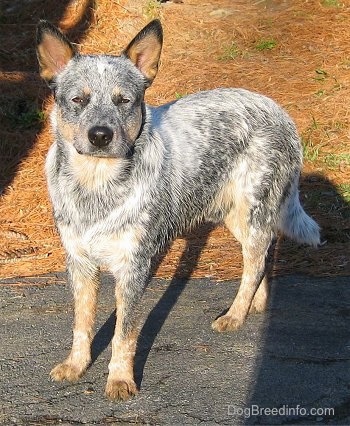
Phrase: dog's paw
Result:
[66,371]
[120,389]
[226,323]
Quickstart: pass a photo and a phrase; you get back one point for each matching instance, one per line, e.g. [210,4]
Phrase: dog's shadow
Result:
[195,242]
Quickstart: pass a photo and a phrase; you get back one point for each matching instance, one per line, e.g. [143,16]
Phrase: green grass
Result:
[321,75]
[267,44]
[21,113]
[152,9]
[344,189]
[331,3]
[335,160]
[320,92]
[311,152]
[30,118]
[179,95]
[230,52]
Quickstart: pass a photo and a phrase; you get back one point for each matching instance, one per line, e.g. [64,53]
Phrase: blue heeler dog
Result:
[125,179]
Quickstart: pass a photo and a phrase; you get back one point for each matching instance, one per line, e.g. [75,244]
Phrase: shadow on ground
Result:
[22,91]
[293,354]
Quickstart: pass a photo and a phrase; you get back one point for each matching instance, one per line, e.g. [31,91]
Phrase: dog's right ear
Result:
[53,50]
[144,50]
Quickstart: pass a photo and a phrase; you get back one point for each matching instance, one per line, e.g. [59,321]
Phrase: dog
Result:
[126,178]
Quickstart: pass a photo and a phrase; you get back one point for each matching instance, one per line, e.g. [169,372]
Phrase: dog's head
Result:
[99,98]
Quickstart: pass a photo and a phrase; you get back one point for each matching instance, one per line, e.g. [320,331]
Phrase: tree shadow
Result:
[303,361]
[22,90]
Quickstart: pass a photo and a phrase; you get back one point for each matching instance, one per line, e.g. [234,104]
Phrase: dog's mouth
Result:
[97,154]
[104,153]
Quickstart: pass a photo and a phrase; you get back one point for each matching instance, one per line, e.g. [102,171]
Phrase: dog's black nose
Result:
[100,136]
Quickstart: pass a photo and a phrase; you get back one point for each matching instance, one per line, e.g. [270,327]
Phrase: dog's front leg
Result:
[84,278]
[129,290]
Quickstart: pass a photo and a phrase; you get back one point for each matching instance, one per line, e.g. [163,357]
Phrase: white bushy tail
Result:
[296,224]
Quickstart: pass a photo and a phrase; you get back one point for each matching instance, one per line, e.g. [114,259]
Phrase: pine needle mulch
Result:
[297,52]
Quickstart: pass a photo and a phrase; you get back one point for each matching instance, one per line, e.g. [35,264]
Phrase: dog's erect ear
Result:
[53,50]
[144,50]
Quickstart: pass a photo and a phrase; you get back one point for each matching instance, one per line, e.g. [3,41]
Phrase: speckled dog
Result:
[126,178]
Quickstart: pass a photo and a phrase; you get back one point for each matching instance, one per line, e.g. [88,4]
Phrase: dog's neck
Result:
[95,173]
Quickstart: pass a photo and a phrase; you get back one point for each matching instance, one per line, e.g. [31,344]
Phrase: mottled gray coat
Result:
[126,178]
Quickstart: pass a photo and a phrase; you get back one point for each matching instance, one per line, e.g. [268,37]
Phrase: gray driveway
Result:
[288,366]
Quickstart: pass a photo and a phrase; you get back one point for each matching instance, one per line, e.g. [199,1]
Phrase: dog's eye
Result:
[119,99]
[80,100]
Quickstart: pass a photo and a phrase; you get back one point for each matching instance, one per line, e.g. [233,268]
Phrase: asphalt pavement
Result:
[287,366]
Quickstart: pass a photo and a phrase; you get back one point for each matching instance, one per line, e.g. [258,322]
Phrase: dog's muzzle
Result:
[100,136]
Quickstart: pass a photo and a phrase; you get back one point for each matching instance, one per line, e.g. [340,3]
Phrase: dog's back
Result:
[220,149]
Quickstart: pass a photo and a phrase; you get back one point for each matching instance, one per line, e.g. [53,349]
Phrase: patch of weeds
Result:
[321,75]
[344,189]
[310,151]
[2,17]
[230,52]
[331,3]
[346,63]
[336,160]
[22,114]
[335,127]
[320,92]
[179,95]
[31,118]
[152,9]
[338,125]
[267,44]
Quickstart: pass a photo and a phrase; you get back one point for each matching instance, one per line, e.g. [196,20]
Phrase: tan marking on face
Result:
[133,129]
[86,91]
[133,126]
[66,129]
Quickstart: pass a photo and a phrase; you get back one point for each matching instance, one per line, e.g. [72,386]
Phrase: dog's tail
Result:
[296,224]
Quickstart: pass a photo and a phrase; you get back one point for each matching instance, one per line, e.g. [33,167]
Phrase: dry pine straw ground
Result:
[295,51]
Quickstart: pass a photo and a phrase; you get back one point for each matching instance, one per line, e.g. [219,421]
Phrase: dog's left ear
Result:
[144,50]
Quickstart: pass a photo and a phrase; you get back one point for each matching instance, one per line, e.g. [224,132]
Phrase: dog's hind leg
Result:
[261,297]
[84,278]
[255,247]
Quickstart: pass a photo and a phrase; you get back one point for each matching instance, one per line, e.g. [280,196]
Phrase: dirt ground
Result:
[295,51]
